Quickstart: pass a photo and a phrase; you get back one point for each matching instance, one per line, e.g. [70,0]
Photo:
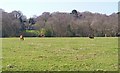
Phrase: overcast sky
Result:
[37,7]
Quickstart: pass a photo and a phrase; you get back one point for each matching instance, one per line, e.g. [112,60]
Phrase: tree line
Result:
[60,24]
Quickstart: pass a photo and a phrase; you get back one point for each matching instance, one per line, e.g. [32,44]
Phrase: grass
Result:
[60,54]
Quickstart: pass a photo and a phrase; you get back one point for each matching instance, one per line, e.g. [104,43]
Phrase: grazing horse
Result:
[21,37]
[91,36]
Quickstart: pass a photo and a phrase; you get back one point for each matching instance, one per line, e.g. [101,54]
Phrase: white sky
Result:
[37,7]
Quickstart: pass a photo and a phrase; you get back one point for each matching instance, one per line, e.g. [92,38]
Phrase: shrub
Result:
[31,33]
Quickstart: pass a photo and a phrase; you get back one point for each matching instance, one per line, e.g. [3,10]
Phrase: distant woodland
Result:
[59,24]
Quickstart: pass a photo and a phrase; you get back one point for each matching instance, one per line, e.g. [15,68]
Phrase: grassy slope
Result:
[60,54]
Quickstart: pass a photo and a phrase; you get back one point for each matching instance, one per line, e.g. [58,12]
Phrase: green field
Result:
[56,54]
